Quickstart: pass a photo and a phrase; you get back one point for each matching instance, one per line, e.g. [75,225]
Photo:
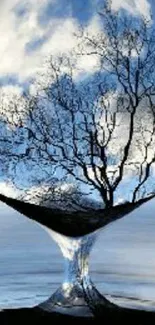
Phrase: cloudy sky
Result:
[32,29]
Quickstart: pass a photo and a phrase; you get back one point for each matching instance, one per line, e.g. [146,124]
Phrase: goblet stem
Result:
[77,295]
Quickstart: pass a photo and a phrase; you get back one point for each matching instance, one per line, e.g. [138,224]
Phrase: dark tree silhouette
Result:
[99,129]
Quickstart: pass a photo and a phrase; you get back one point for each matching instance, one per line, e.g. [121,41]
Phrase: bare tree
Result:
[97,131]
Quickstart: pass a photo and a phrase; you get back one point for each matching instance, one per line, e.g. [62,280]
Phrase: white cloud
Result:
[8,189]
[133,6]
[17,33]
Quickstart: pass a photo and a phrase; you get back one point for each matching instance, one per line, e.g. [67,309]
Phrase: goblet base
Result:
[68,301]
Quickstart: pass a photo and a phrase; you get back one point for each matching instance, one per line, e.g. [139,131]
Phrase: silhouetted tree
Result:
[96,129]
